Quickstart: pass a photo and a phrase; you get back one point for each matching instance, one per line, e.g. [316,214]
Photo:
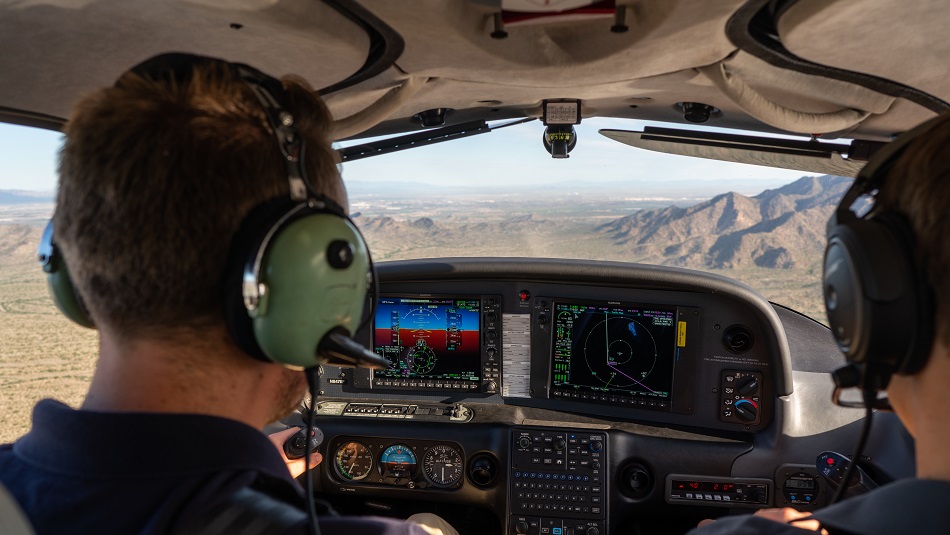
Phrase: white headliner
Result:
[54,50]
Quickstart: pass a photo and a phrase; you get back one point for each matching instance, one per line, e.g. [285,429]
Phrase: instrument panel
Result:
[598,345]
[679,383]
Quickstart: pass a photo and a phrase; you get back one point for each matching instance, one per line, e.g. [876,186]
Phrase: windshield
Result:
[501,194]
[498,194]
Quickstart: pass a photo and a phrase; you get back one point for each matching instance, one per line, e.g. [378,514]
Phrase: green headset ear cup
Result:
[64,295]
[60,286]
[305,297]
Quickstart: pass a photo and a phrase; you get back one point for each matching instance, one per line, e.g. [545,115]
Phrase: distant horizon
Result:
[645,195]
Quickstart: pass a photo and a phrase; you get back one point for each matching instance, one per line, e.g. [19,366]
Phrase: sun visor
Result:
[809,156]
[812,30]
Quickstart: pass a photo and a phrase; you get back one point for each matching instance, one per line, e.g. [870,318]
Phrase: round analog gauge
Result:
[354,460]
[442,465]
[397,463]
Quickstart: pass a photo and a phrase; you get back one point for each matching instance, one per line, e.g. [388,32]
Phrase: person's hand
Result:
[793,517]
[296,466]
[785,515]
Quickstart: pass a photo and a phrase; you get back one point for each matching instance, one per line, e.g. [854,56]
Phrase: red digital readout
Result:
[704,486]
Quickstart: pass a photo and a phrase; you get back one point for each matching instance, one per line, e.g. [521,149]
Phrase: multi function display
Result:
[612,352]
[429,338]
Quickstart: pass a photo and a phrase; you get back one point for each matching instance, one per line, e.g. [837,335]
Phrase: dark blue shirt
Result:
[80,471]
[908,506]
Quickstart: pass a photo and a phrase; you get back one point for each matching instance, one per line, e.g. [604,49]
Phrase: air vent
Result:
[738,339]
[636,481]
[483,469]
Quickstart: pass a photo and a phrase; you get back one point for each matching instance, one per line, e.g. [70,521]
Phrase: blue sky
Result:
[495,160]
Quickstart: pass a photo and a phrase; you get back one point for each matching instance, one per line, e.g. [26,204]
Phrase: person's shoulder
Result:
[921,502]
[747,525]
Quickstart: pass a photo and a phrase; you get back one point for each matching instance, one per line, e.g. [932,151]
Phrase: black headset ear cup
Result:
[60,286]
[878,303]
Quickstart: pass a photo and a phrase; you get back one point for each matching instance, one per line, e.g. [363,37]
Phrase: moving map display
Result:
[428,338]
[611,349]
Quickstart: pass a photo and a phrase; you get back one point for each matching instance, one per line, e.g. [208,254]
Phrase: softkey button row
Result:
[453,385]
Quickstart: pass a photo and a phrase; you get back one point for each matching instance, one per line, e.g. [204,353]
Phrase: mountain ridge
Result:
[778,228]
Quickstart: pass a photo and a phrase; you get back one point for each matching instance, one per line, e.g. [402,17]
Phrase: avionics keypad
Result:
[557,476]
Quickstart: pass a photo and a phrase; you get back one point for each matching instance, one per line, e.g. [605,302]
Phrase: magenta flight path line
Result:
[631,378]
[607,337]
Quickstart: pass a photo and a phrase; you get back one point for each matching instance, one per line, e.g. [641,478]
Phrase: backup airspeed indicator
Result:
[442,465]
[354,460]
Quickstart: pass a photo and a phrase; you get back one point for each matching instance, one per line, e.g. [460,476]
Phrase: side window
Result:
[42,354]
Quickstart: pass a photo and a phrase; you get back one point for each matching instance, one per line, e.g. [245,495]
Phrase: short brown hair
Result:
[918,186]
[155,178]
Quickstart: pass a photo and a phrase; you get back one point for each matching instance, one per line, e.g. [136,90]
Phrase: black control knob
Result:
[596,446]
[521,527]
[491,317]
[490,351]
[759,496]
[747,385]
[559,443]
[543,319]
[492,385]
[746,410]
[595,465]
[491,336]
[593,530]
[524,443]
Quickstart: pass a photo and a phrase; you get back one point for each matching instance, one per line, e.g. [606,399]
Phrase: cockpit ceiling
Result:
[67,48]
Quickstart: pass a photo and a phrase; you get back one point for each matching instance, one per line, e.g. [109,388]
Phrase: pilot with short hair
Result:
[912,181]
[156,174]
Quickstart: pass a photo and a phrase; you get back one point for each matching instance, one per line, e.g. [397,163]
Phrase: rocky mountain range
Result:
[779,228]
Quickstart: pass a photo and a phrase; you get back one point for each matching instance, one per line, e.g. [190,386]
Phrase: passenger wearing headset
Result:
[199,215]
[887,292]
